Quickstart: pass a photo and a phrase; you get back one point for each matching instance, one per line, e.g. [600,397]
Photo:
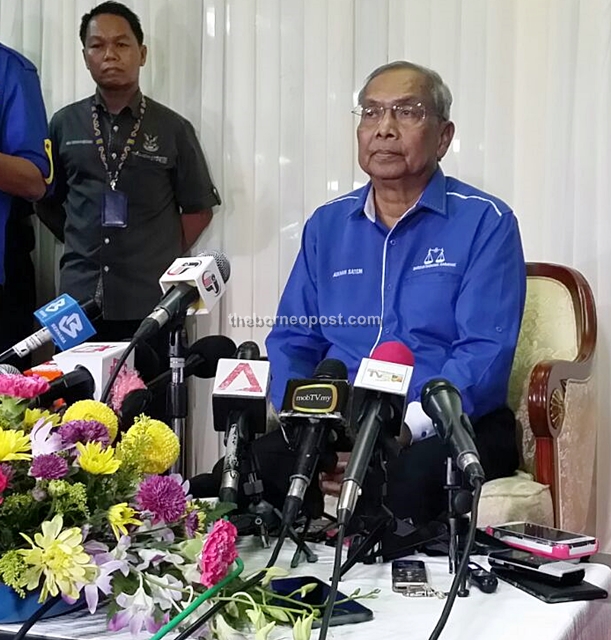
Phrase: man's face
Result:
[112,53]
[395,148]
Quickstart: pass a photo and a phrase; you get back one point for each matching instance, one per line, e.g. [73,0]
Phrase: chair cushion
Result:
[517,498]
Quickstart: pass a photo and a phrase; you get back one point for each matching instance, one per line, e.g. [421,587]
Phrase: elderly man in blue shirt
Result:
[437,261]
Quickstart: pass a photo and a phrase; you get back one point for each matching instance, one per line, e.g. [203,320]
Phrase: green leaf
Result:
[277,613]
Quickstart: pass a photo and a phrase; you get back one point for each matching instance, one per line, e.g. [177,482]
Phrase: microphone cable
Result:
[251,582]
[462,567]
[37,614]
[335,576]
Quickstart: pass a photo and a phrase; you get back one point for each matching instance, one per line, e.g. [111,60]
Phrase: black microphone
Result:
[385,375]
[184,294]
[201,361]
[43,336]
[72,386]
[314,407]
[442,403]
[241,412]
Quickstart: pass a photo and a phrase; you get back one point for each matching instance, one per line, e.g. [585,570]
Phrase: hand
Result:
[331,483]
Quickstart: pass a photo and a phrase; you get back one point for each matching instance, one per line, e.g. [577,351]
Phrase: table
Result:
[506,614]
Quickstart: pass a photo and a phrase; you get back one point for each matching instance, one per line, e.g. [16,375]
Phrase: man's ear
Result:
[143,52]
[85,58]
[445,139]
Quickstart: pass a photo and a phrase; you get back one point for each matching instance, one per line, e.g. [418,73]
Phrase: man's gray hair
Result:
[442,97]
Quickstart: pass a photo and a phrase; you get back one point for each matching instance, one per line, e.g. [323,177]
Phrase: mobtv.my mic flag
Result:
[312,411]
[386,374]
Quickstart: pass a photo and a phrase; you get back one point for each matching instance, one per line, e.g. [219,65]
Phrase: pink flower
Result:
[3,481]
[20,386]
[218,552]
[126,382]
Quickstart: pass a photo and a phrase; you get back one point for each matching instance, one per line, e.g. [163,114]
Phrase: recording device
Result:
[190,284]
[386,374]
[72,386]
[544,541]
[313,410]
[346,612]
[485,581]
[239,405]
[442,403]
[409,577]
[558,572]
[64,322]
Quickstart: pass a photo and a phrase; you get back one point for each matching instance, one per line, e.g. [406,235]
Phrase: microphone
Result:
[63,322]
[385,375]
[240,411]
[315,406]
[201,361]
[194,284]
[9,370]
[75,385]
[442,403]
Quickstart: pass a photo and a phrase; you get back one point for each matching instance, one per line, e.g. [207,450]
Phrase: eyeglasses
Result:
[407,113]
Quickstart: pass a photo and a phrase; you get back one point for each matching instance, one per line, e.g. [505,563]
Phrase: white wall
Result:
[269,85]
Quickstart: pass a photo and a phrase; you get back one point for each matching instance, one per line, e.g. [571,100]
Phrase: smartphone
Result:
[538,567]
[345,613]
[409,577]
[548,592]
[546,541]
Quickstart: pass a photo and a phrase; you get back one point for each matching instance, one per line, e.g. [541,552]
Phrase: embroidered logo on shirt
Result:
[150,143]
[347,272]
[435,258]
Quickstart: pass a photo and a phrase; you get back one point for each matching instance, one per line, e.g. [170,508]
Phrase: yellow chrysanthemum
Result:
[119,516]
[96,460]
[32,416]
[59,557]
[151,443]
[94,410]
[14,445]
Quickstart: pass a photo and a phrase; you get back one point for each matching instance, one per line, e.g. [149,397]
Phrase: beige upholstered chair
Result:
[553,395]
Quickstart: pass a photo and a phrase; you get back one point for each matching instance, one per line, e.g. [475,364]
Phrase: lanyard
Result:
[97,132]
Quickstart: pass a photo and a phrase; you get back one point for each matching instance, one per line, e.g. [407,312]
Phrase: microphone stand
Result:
[457,521]
[264,516]
[177,397]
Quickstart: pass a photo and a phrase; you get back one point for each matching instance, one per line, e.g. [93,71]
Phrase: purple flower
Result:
[164,497]
[84,431]
[7,470]
[191,524]
[48,467]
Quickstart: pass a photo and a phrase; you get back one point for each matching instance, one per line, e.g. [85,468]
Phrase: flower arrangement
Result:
[86,513]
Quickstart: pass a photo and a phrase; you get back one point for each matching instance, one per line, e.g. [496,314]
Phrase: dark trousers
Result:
[416,476]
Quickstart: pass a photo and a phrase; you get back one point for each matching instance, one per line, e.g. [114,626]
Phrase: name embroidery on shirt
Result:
[347,272]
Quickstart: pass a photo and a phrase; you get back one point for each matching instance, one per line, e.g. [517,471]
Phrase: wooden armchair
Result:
[553,395]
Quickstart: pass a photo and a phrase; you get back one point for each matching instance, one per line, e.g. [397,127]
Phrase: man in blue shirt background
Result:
[439,263]
[25,173]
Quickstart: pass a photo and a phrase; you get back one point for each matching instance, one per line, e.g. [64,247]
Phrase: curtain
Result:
[269,85]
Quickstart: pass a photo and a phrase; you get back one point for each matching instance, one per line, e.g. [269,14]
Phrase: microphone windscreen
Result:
[395,352]
[248,350]
[146,361]
[222,262]
[331,369]
[211,349]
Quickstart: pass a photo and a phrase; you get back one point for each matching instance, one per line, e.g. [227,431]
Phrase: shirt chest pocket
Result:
[429,298]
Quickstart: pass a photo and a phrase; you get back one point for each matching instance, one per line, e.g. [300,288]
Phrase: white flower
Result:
[303,628]
[225,631]
[165,595]
[42,442]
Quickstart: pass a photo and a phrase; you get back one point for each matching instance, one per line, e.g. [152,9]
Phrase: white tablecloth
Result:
[506,614]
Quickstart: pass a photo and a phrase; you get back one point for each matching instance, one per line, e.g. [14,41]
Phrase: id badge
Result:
[114,209]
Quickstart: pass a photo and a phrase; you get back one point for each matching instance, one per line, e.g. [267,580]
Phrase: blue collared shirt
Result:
[23,124]
[448,281]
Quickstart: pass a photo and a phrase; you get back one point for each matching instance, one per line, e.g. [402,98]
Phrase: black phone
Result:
[347,612]
[549,592]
